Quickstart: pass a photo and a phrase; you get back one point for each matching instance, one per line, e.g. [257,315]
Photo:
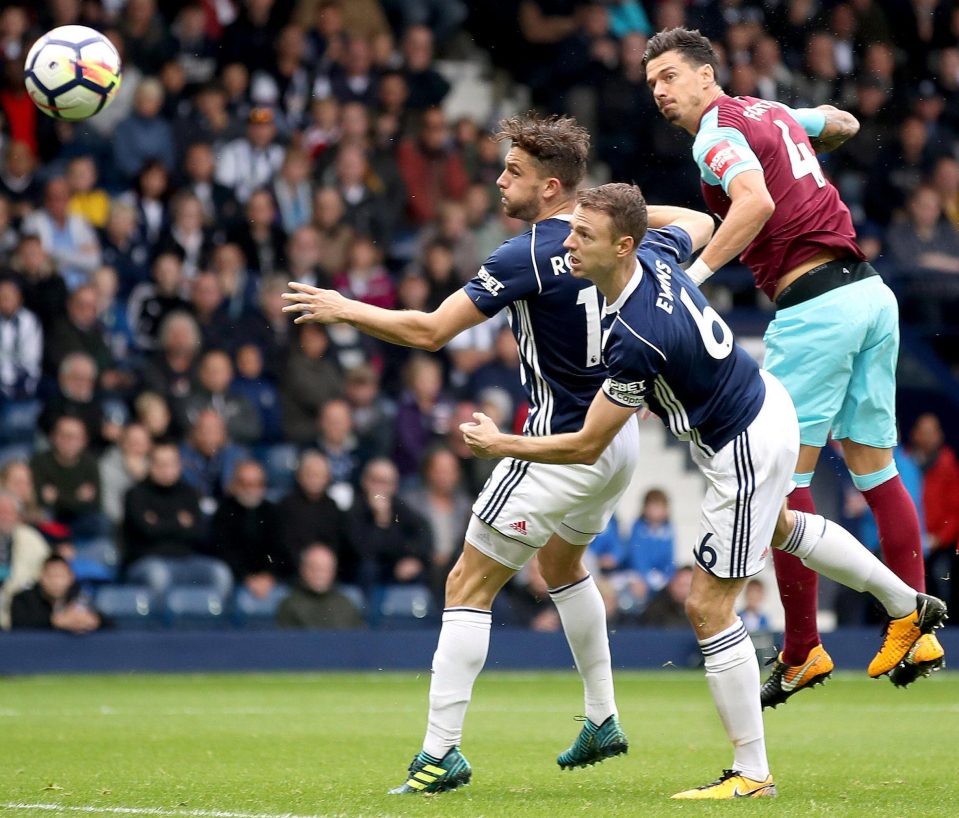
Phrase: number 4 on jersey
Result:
[803,162]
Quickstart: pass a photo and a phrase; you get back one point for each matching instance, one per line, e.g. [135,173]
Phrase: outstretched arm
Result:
[408,328]
[603,421]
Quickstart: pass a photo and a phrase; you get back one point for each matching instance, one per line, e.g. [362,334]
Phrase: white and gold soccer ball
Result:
[72,72]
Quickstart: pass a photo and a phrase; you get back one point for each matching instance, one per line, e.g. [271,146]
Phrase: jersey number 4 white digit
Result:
[803,162]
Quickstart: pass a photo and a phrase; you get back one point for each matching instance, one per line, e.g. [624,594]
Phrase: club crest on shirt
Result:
[721,157]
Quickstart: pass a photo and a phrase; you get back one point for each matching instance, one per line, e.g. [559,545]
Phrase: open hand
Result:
[315,305]
[481,436]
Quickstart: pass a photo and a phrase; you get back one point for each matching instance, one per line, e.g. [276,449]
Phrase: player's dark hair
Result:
[558,143]
[691,45]
[624,204]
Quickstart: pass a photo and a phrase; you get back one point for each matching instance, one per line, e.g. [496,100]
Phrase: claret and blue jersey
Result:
[665,347]
[555,318]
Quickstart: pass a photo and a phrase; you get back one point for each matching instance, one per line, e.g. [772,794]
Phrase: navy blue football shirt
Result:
[556,319]
[666,347]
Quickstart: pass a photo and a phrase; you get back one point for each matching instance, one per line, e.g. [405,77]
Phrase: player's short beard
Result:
[524,211]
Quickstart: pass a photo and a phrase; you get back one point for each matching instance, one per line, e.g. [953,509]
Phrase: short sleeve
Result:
[672,239]
[722,153]
[506,276]
[811,120]
[630,369]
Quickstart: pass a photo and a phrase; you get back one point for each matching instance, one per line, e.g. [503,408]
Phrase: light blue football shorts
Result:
[836,354]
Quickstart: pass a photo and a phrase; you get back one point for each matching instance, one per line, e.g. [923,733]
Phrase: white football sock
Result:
[583,614]
[832,551]
[459,658]
[733,675]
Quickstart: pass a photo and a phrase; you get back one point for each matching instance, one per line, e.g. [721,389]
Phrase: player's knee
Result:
[558,571]
[784,527]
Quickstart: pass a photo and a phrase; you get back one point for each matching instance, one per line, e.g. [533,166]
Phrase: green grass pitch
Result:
[267,745]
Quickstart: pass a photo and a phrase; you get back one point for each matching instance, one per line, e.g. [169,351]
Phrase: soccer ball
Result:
[72,72]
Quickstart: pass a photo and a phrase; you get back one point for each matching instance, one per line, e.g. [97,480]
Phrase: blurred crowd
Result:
[164,425]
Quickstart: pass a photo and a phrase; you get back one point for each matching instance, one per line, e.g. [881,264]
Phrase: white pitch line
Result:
[189,813]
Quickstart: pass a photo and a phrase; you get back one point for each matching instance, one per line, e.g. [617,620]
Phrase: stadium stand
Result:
[252,143]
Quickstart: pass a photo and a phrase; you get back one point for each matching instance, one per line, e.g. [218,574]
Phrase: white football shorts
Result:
[747,482]
[523,504]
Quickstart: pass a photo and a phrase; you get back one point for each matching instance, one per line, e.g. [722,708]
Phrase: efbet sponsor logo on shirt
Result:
[721,158]
[492,285]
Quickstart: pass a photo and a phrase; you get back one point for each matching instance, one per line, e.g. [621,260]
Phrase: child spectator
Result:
[54,603]
[754,596]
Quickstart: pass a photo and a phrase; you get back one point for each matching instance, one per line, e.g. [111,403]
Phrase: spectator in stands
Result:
[146,35]
[304,256]
[431,169]
[899,169]
[453,228]
[308,513]
[44,290]
[649,550]
[122,466]
[940,491]
[926,241]
[336,441]
[309,380]
[440,498]
[54,603]
[668,608]
[502,371]
[314,601]
[18,178]
[252,383]
[22,552]
[67,480]
[239,288]
[352,77]
[268,326]
[529,600]
[292,190]
[244,532]
[150,196]
[368,210]
[365,278]
[249,163]
[427,87]
[70,240]
[164,531]
[153,412]
[754,597]
[77,397]
[114,326]
[144,135]
[8,233]
[186,236]
[423,416]
[196,51]
[124,248]
[21,344]
[79,330]
[261,238]
[220,207]
[210,310]
[945,181]
[335,234]
[209,459]
[475,470]
[249,38]
[171,370]
[152,302]
[392,540]
[373,412]
[86,199]
[16,477]
[215,375]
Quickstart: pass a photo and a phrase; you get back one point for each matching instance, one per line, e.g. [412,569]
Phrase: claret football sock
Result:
[899,535]
[799,592]
[459,658]
[833,552]
[733,675]
[583,615]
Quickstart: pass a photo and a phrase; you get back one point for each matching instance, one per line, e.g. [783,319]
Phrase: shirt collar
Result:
[628,290]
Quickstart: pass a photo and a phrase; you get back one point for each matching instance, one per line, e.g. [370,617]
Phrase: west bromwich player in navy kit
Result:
[556,320]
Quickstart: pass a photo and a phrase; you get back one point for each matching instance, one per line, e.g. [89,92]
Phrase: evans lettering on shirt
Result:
[666,347]
[745,133]
[556,321]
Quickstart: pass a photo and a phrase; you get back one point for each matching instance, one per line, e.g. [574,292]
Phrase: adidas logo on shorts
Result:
[519,527]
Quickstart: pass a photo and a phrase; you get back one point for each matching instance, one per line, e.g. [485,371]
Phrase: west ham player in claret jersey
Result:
[834,341]
[666,348]
[524,509]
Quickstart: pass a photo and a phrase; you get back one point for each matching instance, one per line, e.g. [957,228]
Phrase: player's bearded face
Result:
[520,186]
